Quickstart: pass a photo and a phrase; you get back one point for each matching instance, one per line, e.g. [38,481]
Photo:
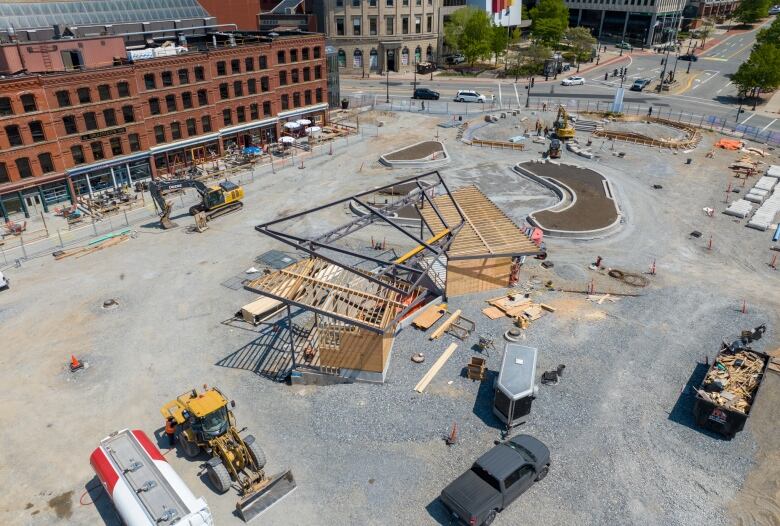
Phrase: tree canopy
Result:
[770,35]
[581,42]
[761,72]
[499,40]
[549,20]
[751,11]
[470,31]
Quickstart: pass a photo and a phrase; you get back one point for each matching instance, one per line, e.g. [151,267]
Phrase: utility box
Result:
[515,388]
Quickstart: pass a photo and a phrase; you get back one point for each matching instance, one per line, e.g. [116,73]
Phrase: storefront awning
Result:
[183,144]
[106,164]
[247,126]
[302,111]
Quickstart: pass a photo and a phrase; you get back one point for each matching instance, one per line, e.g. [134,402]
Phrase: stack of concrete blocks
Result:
[574,147]
[739,208]
[761,190]
[769,210]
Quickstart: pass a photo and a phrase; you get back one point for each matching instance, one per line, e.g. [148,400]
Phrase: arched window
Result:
[342,58]
[405,57]
[429,54]
[374,60]
[357,59]
[418,55]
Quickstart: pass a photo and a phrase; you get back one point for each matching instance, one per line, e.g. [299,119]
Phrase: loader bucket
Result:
[258,501]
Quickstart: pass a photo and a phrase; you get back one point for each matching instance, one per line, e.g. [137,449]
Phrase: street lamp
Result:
[528,96]
[387,67]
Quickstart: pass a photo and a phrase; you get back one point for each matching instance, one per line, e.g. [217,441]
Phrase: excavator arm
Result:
[156,187]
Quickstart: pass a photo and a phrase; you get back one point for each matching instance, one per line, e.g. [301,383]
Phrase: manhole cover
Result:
[110,304]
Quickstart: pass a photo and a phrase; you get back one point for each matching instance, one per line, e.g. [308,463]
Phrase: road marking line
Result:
[724,87]
[751,116]
[715,58]
[768,125]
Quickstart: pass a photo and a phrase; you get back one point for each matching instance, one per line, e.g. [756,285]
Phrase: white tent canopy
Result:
[313,130]
[287,140]
[292,125]
[303,122]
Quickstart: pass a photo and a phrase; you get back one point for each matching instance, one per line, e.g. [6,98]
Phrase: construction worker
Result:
[650,111]
[170,430]
[606,76]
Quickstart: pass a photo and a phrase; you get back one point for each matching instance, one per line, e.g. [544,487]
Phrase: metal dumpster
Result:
[729,390]
[514,388]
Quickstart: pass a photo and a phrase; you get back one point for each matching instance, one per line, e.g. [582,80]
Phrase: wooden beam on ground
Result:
[446,325]
[425,380]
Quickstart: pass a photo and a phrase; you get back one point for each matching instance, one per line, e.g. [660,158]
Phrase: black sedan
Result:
[689,57]
[425,94]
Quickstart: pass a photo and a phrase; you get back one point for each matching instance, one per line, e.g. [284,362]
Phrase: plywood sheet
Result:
[477,275]
[429,316]
[493,313]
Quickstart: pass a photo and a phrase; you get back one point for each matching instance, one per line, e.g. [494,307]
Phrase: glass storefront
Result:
[56,192]
[123,174]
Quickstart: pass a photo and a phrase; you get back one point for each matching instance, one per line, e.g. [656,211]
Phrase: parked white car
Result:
[774,10]
[469,96]
[573,81]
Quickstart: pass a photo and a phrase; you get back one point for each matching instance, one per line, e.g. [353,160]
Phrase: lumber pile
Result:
[91,249]
[516,305]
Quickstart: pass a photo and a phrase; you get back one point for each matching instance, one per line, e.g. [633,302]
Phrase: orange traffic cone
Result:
[75,365]
[453,436]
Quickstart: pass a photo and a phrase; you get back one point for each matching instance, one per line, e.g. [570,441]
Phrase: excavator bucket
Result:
[165,219]
[272,491]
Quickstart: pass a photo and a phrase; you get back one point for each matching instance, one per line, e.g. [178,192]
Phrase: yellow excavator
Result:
[563,128]
[214,200]
[205,421]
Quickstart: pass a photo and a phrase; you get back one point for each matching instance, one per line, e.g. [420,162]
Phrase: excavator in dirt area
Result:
[204,422]
[214,200]
[563,128]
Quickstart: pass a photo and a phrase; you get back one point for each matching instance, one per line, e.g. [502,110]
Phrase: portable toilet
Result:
[514,388]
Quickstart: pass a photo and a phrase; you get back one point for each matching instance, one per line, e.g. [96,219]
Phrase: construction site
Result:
[333,335]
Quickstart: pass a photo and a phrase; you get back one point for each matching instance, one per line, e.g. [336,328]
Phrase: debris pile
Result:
[733,380]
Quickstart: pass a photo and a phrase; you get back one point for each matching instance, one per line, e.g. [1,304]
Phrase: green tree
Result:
[751,11]
[549,20]
[770,35]
[531,59]
[470,31]
[761,72]
[499,41]
[581,42]
[705,31]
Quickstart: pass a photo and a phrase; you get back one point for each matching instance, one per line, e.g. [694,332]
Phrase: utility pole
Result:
[415,71]
[387,67]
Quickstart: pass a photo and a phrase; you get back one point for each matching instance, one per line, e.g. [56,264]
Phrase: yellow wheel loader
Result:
[205,421]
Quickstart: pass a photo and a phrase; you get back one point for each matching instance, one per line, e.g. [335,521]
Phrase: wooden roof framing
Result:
[487,232]
[344,294]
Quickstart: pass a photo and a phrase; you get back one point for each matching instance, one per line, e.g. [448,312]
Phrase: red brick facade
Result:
[93,116]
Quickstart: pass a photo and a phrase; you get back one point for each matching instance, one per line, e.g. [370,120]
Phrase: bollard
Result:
[652,268]
[744,307]
[709,244]
[773,263]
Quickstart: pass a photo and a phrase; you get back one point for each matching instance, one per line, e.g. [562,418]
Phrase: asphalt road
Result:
[709,91]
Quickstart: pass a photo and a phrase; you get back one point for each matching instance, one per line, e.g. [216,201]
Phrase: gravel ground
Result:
[624,449]
[649,129]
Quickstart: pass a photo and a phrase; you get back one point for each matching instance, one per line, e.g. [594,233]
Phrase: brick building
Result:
[68,130]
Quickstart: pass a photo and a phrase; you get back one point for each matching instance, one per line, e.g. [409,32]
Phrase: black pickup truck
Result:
[496,479]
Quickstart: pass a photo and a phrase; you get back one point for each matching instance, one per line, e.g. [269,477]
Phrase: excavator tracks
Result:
[232,207]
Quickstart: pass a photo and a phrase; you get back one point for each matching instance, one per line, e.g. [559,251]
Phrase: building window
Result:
[249,64]
[293,55]
[84,95]
[191,128]
[280,57]
[154,106]
[238,88]
[240,114]
[135,142]
[371,3]
[373,60]
[36,130]
[251,86]
[406,3]
[317,52]
[296,100]
[357,59]
[116,146]
[282,78]
[77,152]
[235,66]
[175,131]
[200,74]
[305,54]
[317,72]
[342,58]
[14,136]
[306,74]
[339,3]
[184,76]
[405,57]
[418,2]
[356,25]
[307,97]
[372,26]
[63,99]
[205,123]
[97,150]
[167,78]
[28,103]
[159,134]
[267,108]
[104,92]
[223,91]
[221,68]
[186,100]
[4,174]
[90,120]
[254,112]
[227,117]
[123,89]
[264,84]
[318,94]
[340,26]
[294,76]
[418,24]
[23,167]
[170,102]
[203,98]
[5,106]
[109,115]
[285,102]
[405,25]
[262,62]
[69,121]
[429,24]
[429,54]
[47,165]
[128,115]
[389,25]
[149,81]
